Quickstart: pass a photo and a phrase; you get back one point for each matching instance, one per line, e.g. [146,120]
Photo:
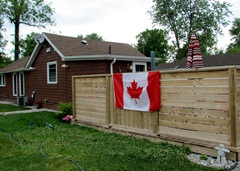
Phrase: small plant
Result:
[64,110]
[203,157]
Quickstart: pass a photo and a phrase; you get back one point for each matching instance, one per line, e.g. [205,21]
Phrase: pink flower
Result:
[68,118]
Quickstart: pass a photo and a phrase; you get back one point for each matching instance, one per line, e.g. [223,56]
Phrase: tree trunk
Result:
[17,42]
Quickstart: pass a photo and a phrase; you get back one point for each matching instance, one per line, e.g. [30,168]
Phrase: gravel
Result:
[212,162]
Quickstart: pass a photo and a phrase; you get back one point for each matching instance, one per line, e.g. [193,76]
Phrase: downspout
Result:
[111,65]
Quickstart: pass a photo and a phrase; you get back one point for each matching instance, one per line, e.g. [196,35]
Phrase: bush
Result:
[65,109]
[203,157]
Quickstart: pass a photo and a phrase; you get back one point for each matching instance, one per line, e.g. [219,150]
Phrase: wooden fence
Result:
[200,108]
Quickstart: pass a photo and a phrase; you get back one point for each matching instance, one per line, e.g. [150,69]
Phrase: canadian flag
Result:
[137,91]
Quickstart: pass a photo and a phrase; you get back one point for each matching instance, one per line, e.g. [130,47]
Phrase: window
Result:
[139,67]
[21,84]
[2,80]
[15,85]
[52,72]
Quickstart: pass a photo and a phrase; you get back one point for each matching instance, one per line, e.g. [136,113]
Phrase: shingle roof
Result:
[18,65]
[166,66]
[72,46]
[208,61]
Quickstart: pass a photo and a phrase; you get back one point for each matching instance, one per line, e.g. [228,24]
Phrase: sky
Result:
[115,21]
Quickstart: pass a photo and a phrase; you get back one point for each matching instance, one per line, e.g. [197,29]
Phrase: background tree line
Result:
[176,18]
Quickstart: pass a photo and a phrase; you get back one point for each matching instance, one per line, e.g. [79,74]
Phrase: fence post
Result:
[107,100]
[73,97]
[232,105]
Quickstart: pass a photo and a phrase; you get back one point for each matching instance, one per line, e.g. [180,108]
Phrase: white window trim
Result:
[15,84]
[21,93]
[51,63]
[139,63]
[3,80]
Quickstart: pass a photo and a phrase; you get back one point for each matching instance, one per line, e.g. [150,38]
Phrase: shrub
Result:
[203,157]
[64,110]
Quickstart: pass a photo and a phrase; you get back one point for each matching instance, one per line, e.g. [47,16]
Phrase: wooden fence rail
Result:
[200,108]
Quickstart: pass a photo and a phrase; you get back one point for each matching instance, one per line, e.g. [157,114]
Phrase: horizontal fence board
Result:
[196,82]
[90,79]
[92,109]
[90,104]
[93,120]
[238,81]
[195,104]
[90,89]
[91,84]
[195,119]
[197,90]
[195,97]
[91,99]
[195,127]
[91,114]
[196,112]
[186,75]
[92,95]
[189,135]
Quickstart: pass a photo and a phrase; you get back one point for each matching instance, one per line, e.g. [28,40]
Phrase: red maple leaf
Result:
[135,91]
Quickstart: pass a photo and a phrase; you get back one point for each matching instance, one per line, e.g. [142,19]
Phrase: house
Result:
[229,59]
[55,59]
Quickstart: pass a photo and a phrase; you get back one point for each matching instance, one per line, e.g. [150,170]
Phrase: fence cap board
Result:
[199,69]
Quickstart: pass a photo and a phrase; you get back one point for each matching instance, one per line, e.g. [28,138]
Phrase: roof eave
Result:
[37,49]
[107,57]
[12,71]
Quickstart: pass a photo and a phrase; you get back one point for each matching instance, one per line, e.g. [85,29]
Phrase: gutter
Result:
[107,57]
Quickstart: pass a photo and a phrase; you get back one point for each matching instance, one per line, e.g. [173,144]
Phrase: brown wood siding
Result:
[36,80]
[6,92]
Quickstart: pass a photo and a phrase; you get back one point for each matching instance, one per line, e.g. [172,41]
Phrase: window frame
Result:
[134,64]
[2,80]
[15,84]
[21,84]
[48,73]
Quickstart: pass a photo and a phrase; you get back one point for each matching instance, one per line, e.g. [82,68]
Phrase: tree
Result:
[153,40]
[93,36]
[4,60]
[235,33]
[35,13]
[185,17]
[28,44]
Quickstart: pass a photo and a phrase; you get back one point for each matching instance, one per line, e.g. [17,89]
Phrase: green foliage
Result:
[28,44]
[90,148]
[4,61]
[203,157]
[233,49]
[235,33]
[65,109]
[3,58]
[92,36]
[153,40]
[185,17]
[31,13]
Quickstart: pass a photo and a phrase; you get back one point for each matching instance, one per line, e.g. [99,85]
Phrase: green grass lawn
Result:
[29,143]
[9,108]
